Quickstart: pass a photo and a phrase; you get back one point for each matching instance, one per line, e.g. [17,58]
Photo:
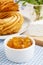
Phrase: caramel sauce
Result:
[19,42]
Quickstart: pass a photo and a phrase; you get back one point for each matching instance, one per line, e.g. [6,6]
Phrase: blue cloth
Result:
[36,60]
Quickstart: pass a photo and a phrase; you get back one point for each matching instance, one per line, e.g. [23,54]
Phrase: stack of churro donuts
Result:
[10,20]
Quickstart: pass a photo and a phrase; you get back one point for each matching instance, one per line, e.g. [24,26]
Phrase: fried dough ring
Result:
[9,6]
[13,25]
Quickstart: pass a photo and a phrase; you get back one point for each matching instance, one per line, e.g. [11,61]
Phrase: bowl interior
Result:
[6,41]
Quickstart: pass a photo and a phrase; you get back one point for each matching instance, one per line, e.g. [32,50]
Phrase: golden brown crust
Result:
[11,25]
[5,0]
[8,6]
[4,15]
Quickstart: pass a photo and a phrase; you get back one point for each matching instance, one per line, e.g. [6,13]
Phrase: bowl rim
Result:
[10,37]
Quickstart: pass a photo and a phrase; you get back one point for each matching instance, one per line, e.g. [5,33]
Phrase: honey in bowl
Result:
[19,42]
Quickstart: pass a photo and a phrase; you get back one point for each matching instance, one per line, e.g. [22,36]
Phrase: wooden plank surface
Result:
[38,39]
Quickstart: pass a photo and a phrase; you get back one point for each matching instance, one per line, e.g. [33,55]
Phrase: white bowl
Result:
[19,55]
[31,11]
[35,28]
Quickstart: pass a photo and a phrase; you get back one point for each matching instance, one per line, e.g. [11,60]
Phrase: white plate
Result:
[23,29]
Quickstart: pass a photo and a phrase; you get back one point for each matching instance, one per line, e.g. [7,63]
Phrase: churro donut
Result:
[8,6]
[11,24]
